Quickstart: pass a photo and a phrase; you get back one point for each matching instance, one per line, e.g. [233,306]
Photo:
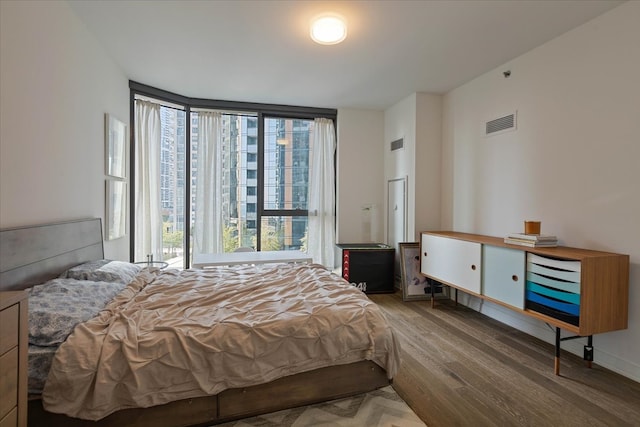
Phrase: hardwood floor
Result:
[462,368]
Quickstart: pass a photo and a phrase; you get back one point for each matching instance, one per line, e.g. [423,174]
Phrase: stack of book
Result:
[531,240]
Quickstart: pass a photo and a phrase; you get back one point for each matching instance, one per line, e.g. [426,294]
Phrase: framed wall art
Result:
[415,286]
[115,147]
[116,207]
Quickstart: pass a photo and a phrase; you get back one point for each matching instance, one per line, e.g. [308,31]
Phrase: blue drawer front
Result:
[556,314]
[553,293]
[553,303]
[553,283]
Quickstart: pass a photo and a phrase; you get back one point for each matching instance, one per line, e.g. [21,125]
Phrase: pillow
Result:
[103,270]
[57,306]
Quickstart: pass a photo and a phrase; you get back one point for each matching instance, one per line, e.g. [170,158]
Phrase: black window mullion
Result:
[260,178]
[285,212]
[132,175]
[186,235]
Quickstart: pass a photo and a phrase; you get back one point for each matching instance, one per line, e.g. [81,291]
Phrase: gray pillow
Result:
[103,270]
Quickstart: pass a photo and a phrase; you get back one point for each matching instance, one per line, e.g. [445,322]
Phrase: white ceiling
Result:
[260,51]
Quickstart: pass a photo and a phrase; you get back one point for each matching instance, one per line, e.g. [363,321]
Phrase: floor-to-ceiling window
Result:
[264,158]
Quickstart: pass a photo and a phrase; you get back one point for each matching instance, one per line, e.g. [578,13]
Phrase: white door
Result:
[397,216]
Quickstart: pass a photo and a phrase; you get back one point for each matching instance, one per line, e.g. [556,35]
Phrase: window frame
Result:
[188,104]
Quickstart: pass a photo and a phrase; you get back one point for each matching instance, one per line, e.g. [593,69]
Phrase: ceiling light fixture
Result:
[328,28]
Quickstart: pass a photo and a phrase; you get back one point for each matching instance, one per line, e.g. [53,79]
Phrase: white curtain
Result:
[207,233]
[321,231]
[148,215]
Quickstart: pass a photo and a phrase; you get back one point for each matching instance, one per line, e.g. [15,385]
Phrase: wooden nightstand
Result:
[14,337]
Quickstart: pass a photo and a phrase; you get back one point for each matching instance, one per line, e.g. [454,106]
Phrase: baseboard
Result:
[540,330]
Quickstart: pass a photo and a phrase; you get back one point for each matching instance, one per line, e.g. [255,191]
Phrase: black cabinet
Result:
[368,266]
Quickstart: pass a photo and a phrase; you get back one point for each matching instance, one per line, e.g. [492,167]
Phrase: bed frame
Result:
[34,254]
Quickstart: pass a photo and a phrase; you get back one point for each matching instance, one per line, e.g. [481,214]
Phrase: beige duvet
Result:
[177,334]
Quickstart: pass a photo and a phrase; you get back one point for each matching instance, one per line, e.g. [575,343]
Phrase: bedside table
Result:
[14,338]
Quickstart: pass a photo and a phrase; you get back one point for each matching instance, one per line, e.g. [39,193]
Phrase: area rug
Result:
[378,408]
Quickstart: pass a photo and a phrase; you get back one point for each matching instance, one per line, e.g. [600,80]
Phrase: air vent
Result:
[499,125]
[397,144]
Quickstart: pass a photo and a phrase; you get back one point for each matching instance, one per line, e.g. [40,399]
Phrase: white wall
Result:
[428,166]
[418,120]
[573,162]
[56,84]
[360,176]
[400,123]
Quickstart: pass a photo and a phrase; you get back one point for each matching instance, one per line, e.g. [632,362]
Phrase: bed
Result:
[251,339]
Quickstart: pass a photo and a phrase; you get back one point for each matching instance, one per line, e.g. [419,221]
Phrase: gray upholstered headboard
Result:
[34,254]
